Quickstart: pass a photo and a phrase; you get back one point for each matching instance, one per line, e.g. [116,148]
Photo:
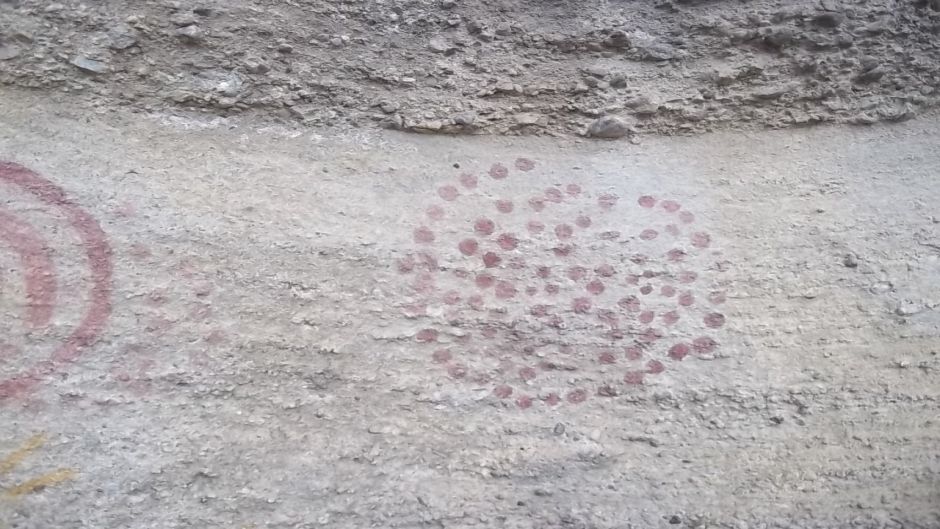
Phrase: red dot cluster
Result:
[529,310]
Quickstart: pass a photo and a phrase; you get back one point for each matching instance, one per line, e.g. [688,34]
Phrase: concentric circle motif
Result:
[562,294]
[48,316]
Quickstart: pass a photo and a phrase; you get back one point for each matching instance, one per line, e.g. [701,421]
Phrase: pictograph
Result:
[50,317]
[563,294]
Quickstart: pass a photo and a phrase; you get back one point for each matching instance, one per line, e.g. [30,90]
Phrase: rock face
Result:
[89,65]
[608,127]
[526,67]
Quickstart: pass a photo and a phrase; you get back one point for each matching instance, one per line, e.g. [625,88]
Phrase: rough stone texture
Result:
[700,65]
[277,298]
[609,127]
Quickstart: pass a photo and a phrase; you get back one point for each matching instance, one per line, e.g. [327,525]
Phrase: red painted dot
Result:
[531,291]
[629,304]
[543,272]
[502,391]
[655,367]
[499,171]
[670,205]
[687,277]
[491,260]
[714,320]
[701,240]
[552,399]
[468,180]
[489,332]
[607,201]
[581,305]
[670,318]
[537,203]
[583,221]
[538,310]
[524,402]
[551,289]
[485,280]
[475,301]
[686,299]
[424,283]
[607,358]
[535,227]
[676,255]
[504,206]
[667,291]
[649,274]
[553,195]
[646,289]
[441,356]
[423,235]
[524,164]
[649,235]
[633,352]
[576,273]
[507,241]
[426,335]
[646,201]
[451,297]
[484,226]
[632,279]
[679,351]
[435,212]
[573,189]
[633,377]
[704,345]
[527,374]
[563,250]
[672,229]
[609,235]
[468,246]
[605,270]
[448,193]
[595,287]
[505,290]
[457,371]
[576,396]
[717,298]
[564,231]
[686,217]
[646,316]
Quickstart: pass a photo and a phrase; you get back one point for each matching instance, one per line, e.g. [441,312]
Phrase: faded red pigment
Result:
[611,298]
[37,267]
[40,289]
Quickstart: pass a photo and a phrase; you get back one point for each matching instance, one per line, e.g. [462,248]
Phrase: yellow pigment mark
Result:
[35,484]
[9,462]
